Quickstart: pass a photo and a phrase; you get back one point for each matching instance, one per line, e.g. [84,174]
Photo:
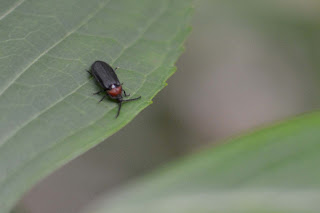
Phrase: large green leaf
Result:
[272,170]
[47,112]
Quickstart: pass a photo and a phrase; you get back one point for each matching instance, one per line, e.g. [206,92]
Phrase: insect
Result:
[107,78]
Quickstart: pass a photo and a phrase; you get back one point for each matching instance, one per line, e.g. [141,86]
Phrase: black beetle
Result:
[108,80]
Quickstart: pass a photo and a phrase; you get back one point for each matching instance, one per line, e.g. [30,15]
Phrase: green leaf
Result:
[48,115]
[271,170]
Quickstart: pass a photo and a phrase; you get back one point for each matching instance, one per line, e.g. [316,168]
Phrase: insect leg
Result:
[125,94]
[96,93]
[116,68]
[89,72]
[102,98]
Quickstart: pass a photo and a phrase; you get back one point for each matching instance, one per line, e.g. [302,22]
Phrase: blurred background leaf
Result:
[270,170]
[48,113]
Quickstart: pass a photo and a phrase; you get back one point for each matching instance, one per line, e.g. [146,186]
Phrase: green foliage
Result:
[48,115]
[271,170]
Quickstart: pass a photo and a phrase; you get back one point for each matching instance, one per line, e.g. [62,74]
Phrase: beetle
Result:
[108,80]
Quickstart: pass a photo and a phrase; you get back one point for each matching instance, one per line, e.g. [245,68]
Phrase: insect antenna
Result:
[119,107]
[132,99]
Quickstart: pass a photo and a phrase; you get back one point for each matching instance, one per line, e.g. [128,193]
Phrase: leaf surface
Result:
[48,115]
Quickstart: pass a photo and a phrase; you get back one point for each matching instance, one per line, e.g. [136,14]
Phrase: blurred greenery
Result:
[48,113]
[270,170]
[292,25]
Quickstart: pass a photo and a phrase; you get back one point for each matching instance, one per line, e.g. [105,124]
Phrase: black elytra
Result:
[105,75]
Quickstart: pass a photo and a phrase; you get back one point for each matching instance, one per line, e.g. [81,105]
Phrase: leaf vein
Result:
[15,6]
[54,45]
[5,139]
